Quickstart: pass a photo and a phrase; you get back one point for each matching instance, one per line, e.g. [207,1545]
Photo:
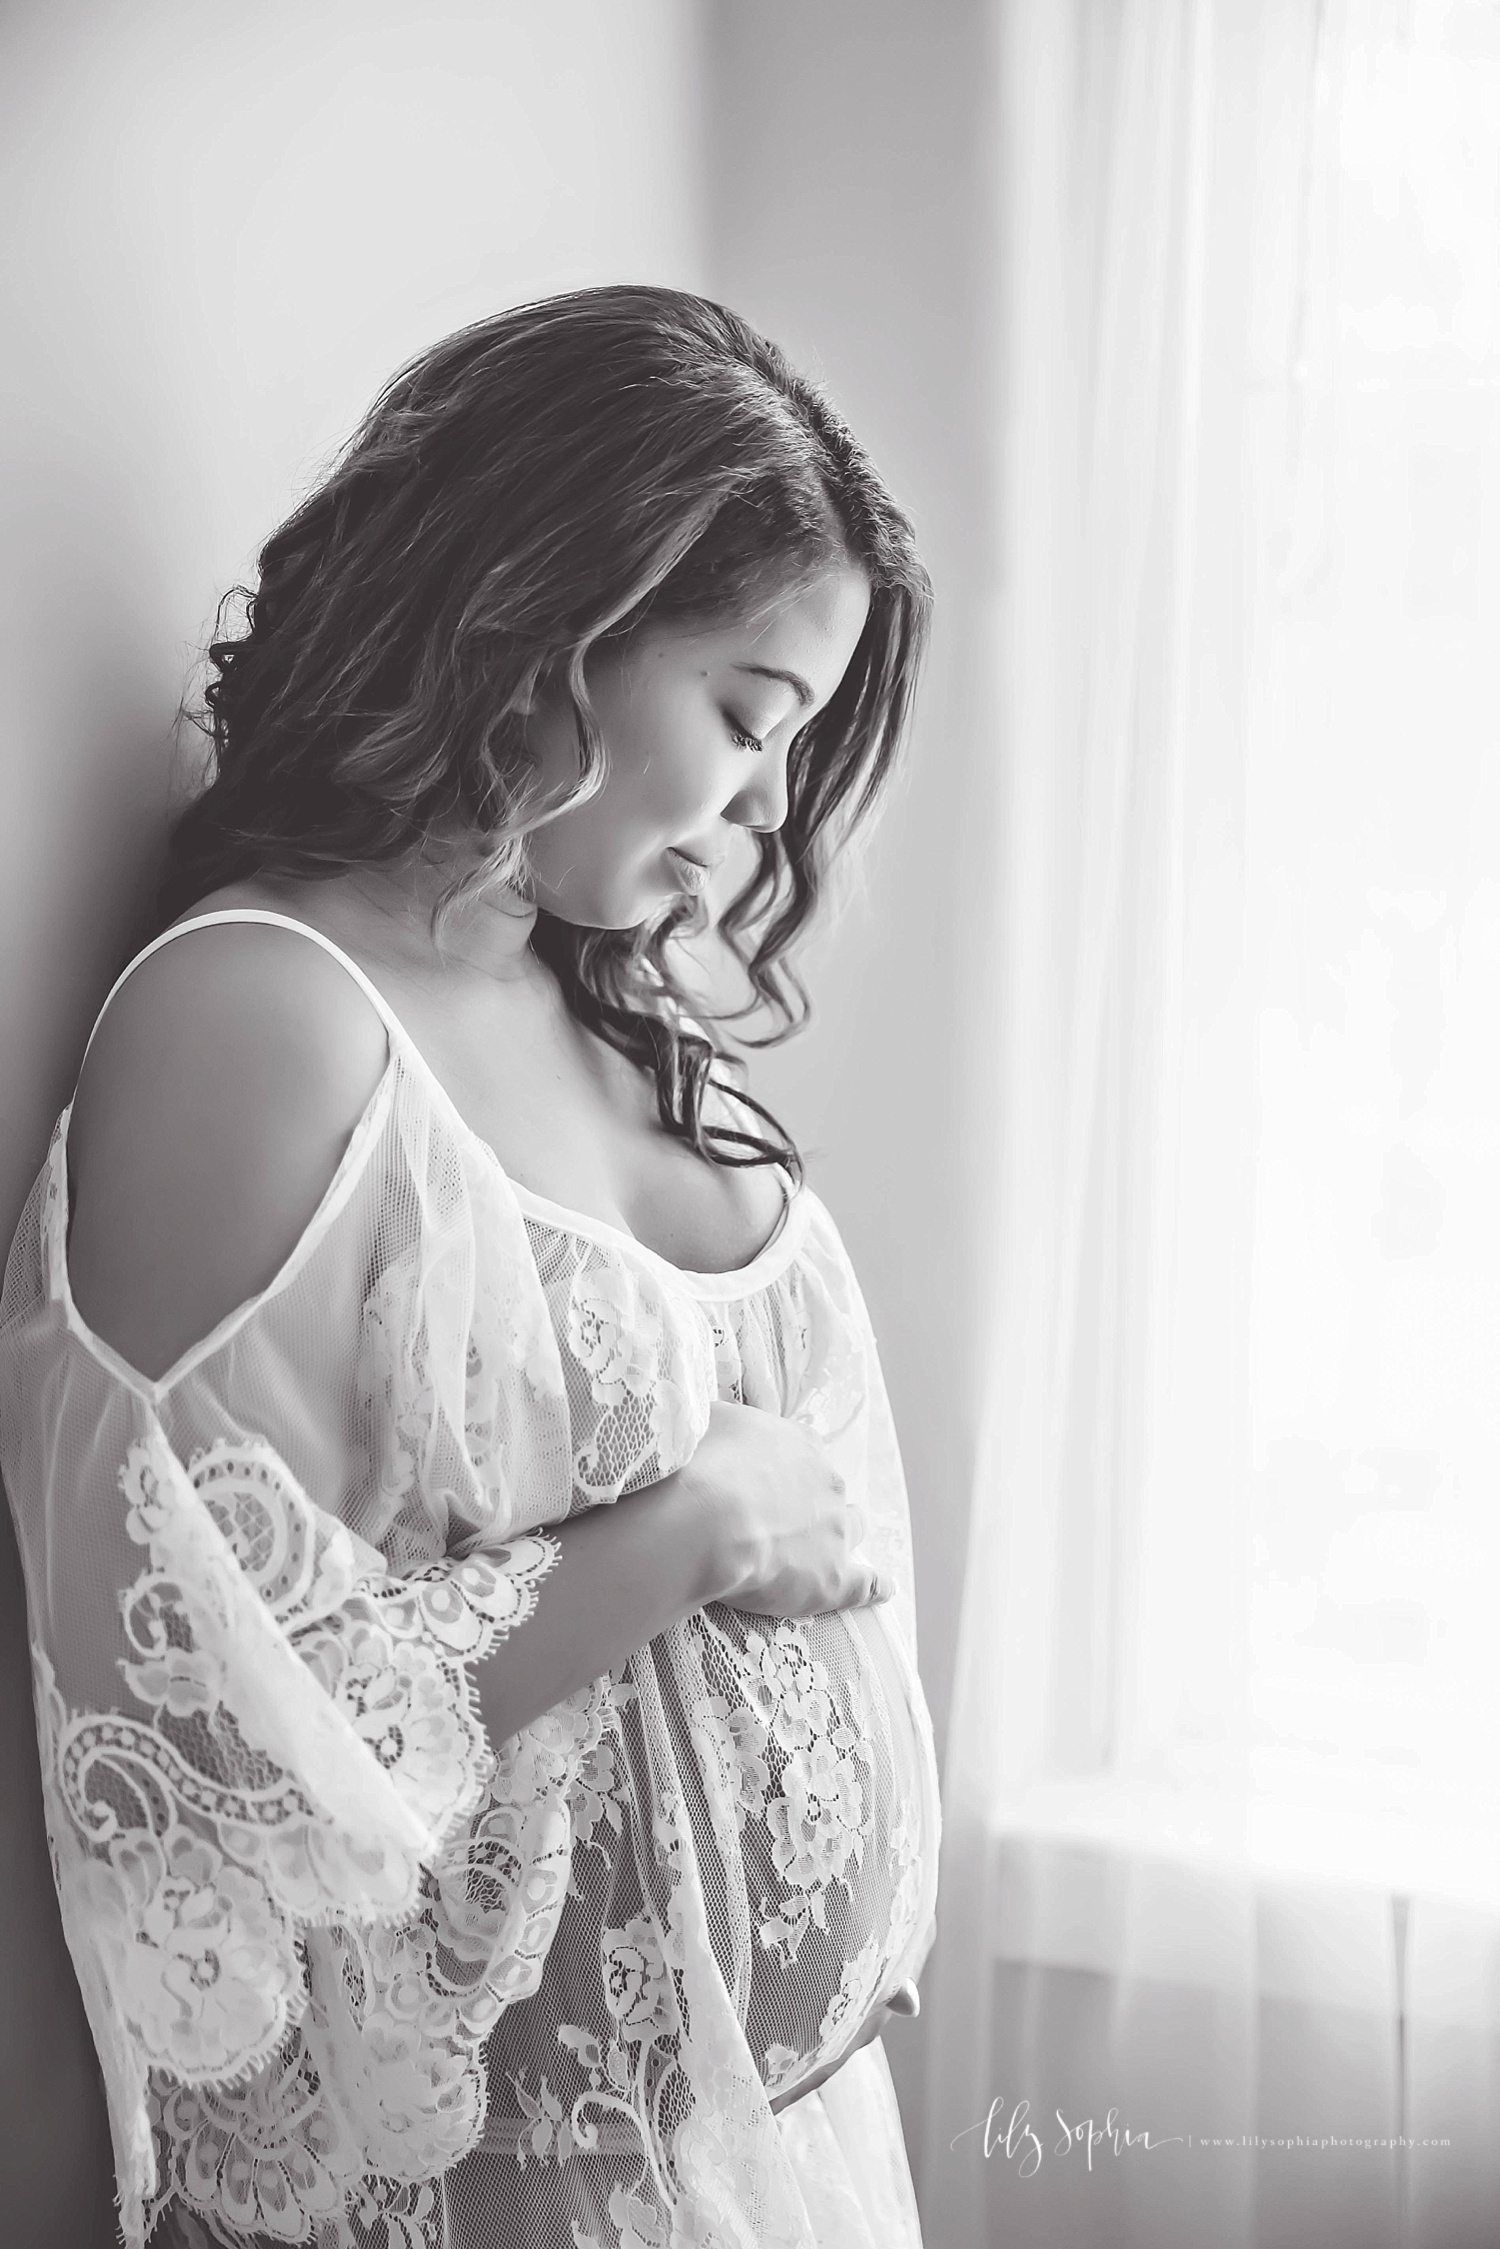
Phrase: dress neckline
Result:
[774,1254]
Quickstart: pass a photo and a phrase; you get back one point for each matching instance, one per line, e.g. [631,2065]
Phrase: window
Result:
[1374,880]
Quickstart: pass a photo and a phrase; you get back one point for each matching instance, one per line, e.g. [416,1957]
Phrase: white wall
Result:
[221,229]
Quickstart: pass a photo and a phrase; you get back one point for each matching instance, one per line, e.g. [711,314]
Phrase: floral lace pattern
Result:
[614,1331]
[816,1809]
[653,2108]
[638,1365]
[361,1976]
[199,1848]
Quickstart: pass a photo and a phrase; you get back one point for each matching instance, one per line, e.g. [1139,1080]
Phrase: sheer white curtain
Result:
[1220,1862]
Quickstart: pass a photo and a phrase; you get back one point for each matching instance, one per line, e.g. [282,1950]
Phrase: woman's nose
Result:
[762,803]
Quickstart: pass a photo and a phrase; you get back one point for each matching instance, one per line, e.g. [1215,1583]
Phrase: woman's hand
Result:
[902,2001]
[783,1532]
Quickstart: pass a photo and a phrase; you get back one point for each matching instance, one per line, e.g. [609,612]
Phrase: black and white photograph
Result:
[750,1124]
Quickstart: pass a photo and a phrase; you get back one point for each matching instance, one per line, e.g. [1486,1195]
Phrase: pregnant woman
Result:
[491,1795]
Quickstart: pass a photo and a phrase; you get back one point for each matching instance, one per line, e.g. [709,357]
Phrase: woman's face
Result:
[681,709]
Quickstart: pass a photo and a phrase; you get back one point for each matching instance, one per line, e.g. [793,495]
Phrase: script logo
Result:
[1020,2144]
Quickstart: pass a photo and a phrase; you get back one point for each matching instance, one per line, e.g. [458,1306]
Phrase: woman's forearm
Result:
[625,1573]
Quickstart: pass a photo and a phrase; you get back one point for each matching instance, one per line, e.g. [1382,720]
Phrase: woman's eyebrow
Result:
[793,680]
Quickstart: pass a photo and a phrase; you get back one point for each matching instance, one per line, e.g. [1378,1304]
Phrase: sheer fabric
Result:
[357,1975]
[1225,1665]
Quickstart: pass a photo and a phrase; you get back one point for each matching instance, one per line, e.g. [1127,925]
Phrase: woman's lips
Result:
[692,874]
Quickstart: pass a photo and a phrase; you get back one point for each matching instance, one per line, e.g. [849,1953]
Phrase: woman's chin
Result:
[620,904]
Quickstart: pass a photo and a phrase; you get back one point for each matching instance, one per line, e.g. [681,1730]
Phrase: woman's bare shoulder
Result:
[220,1090]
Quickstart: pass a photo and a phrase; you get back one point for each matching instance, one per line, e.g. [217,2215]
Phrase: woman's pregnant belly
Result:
[837,1857]
[807,1785]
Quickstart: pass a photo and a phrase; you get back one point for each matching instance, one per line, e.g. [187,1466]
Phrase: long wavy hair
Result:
[537,484]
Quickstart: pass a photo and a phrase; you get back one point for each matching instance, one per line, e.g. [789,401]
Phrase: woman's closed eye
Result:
[743,736]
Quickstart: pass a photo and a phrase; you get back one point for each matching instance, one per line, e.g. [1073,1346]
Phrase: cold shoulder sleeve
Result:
[297,1881]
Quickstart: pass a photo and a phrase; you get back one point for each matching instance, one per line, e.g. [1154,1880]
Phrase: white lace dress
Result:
[357,1975]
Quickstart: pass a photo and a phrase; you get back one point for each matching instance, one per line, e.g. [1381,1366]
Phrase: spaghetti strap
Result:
[557,1214]
[396,1029]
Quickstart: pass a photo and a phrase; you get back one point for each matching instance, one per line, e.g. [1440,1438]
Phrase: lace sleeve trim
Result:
[313,1736]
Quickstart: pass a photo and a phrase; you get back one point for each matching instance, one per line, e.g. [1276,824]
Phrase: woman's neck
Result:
[488,932]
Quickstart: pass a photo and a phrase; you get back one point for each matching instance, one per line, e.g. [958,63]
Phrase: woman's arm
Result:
[757,1517]
[625,1573]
